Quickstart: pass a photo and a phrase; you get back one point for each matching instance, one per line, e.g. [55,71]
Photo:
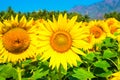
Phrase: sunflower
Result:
[113,27]
[98,30]
[61,41]
[18,39]
[90,39]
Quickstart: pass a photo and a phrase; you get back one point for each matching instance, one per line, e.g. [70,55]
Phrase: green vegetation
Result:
[41,14]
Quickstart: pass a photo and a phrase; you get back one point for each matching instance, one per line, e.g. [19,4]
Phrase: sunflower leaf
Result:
[102,64]
[90,56]
[109,54]
[8,71]
[2,78]
[108,42]
[39,74]
[104,74]
[82,74]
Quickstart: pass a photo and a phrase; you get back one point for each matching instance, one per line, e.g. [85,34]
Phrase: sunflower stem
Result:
[19,73]
[59,74]
[89,71]
[114,63]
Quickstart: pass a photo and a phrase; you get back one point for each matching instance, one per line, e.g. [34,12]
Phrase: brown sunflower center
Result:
[16,40]
[113,29]
[61,41]
[96,31]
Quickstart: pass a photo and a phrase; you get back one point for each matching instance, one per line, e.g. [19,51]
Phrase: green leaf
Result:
[39,74]
[82,74]
[119,46]
[118,66]
[8,71]
[108,42]
[26,62]
[97,55]
[109,54]
[105,74]
[2,78]
[90,56]
[52,74]
[102,64]
[26,79]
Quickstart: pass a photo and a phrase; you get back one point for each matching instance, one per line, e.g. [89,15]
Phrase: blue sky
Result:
[50,5]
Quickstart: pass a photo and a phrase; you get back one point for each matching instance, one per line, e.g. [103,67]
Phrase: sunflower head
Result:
[98,30]
[61,41]
[16,40]
[113,27]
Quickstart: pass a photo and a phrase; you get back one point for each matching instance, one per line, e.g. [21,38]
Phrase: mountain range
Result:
[97,10]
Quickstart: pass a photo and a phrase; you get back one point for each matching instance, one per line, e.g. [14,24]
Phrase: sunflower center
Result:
[96,31]
[61,41]
[113,29]
[16,40]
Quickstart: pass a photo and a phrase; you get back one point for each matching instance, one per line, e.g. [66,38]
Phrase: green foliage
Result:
[2,78]
[90,56]
[109,54]
[39,74]
[82,74]
[114,14]
[7,71]
[102,64]
[41,14]
[99,64]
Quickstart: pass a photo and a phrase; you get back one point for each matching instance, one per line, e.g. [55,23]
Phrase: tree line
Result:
[41,14]
[44,14]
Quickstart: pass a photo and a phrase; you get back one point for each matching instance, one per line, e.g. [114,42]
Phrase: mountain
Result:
[97,10]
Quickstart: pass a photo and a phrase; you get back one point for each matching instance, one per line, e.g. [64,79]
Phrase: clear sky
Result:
[50,5]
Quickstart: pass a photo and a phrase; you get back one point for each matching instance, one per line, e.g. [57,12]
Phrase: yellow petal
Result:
[71,23]
[16,18]
[63,61]
[78,51]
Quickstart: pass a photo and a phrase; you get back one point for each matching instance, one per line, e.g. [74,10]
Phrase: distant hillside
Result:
[97,10]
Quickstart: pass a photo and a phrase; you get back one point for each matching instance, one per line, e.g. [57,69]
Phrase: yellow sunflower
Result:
[90,39]
[18,39]
[113,27]
[98,30]
[60,41]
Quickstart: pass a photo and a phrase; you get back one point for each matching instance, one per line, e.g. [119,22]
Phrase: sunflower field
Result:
[58,46]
